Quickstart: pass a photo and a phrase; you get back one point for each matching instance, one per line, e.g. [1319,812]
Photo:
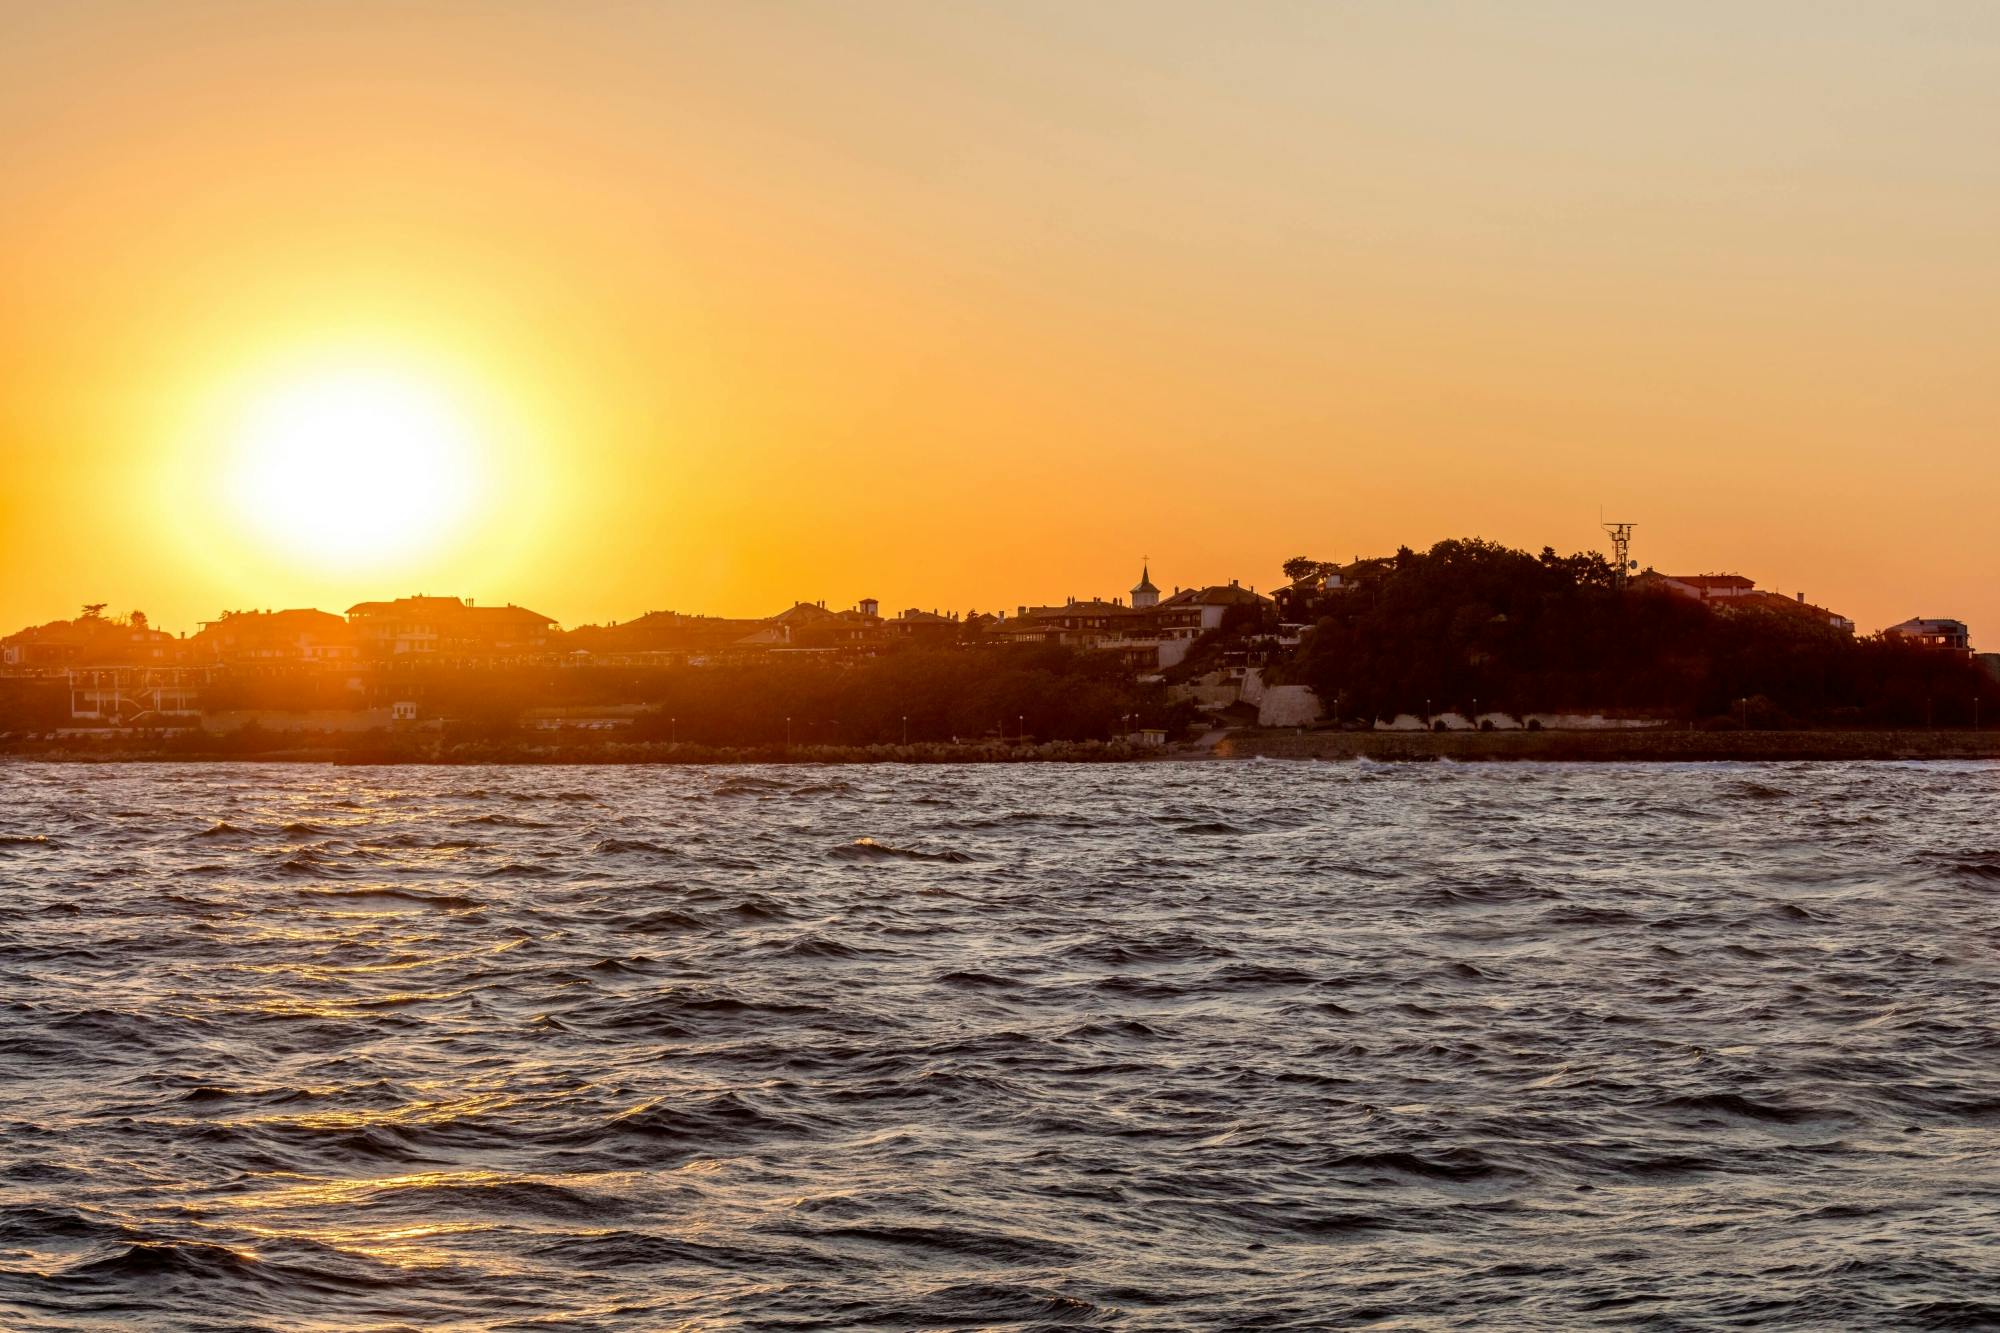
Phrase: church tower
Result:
[1145,594]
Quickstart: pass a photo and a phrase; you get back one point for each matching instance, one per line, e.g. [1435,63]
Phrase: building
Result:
[1700,587]
[1189,613]
[1192,612]
[1734,592]
[1074,624]
[447,628]
[1150,637]
[93,639]
[1300,601]
[296,637]
[1951,635]
[656,638]
[915,626]
[136,696]
[801,625]
[1144,594]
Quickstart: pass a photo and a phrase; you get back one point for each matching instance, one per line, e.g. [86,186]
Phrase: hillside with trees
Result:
[1471,623]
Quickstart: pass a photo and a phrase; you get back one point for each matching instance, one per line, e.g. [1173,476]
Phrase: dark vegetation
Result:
[918,694]
[926,694]
[1474,624]
[935,694]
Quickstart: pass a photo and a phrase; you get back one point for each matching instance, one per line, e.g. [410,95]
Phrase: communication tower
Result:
[1621,551]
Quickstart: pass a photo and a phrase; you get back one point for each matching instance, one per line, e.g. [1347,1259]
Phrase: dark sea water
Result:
[1168,1046]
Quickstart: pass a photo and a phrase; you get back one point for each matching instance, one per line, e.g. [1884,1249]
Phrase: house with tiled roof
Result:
[300,635]
[1203,609]
[656,637]
[447,628]
[1700,587]
[92,639]
[1734,592]
[1075,623]
[1928,632]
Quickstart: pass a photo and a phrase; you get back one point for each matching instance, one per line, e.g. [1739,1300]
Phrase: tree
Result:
[1475,620]
[1304,567]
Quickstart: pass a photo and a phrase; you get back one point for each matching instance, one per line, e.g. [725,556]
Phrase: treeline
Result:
[1471,623]
[919,693]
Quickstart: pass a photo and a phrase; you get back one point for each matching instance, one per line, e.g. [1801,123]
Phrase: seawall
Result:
[1608,746]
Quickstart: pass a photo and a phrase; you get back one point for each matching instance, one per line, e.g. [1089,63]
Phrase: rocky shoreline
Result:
[1666,746]
[365,749]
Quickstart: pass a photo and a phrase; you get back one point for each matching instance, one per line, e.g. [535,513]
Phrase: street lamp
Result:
[673,731]
[788,733]
[906,730]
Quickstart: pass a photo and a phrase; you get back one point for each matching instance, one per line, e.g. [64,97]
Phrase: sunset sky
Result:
[604,308]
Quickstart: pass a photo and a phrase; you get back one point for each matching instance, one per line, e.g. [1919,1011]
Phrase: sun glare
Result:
[354,468]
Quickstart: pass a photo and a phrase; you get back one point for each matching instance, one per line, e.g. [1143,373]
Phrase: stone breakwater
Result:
[1581,746]
[1612,746]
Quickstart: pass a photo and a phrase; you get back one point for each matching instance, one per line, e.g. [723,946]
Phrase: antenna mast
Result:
[1621,552]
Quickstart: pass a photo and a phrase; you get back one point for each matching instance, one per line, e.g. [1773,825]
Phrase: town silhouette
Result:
[1467,636]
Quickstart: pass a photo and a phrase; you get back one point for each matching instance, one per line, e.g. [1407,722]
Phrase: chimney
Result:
[1802,597]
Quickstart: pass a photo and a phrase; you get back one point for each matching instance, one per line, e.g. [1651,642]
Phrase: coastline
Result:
[429,750]
[1661,746]
[1611,746]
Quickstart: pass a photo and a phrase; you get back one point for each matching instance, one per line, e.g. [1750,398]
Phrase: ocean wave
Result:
[629,846]
[392,894]
[1976,867]
[154,1260]
[1173,948]
[1735,1105]
[867,849]
[751,786]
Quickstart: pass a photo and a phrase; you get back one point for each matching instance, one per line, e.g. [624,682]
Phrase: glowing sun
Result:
[356,467]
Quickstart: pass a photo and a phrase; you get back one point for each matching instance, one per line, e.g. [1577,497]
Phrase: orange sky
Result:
[970,305]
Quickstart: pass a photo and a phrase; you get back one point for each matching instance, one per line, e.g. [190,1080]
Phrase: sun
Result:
[354,467]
